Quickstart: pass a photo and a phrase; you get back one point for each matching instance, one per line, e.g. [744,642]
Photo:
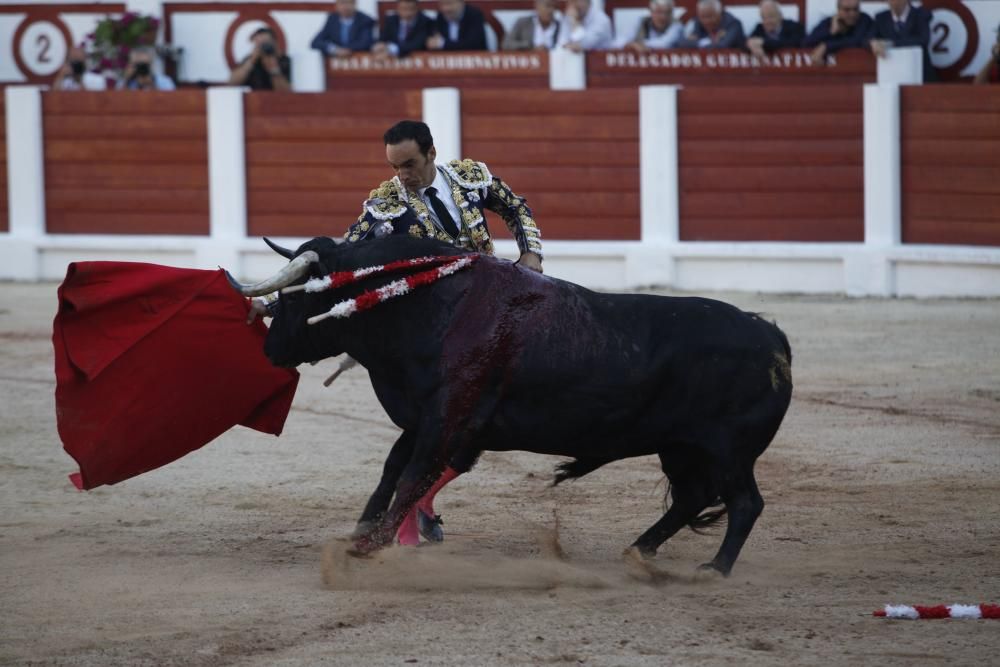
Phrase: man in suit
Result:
[405,31]
[540,31]
[713,28]
[458,27]
[345,32]
[849,28]
[774,32]
[904,25]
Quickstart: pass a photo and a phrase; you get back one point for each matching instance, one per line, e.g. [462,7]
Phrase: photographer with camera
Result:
[990,73]
[73,75]
[266,68]
[139,74]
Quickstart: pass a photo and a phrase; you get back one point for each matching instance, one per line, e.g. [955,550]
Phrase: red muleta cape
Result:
[153,362]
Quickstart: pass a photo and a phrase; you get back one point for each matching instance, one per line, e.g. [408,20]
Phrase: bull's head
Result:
[290,340]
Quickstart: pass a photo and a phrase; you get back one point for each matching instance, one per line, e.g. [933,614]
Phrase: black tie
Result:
[899,26]
[442,212]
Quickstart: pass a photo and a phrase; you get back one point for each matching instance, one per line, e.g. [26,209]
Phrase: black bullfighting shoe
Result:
[430,526]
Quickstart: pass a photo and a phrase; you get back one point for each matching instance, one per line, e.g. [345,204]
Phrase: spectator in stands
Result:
[266,68]
[584,28]
[713,28]
[904,25]
[849,28]
[659,30]
[539,32]
[73,75]
[403,32]
[139,74]
[346,31]
[774,32]
[990,72]
[458,27]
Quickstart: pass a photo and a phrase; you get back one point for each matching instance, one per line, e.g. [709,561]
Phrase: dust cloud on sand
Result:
[883,486]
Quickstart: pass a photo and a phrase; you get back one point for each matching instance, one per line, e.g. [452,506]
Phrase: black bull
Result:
[498,358]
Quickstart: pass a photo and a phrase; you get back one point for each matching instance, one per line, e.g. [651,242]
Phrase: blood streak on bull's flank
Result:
[796,60]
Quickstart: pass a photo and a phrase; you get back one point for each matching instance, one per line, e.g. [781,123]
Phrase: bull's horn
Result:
[296,268]
[284,252]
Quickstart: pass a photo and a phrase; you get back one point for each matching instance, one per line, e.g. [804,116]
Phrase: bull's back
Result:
[589,367]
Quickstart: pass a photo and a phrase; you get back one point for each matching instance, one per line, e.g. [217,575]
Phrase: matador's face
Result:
[414,169]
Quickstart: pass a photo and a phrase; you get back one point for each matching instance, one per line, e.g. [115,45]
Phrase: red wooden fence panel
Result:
[573,155]
[950,164]
[312,159]
[771,164]
[4,223]
[126,162]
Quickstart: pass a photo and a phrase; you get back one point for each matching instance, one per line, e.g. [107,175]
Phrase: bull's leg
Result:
[690,496]
[744,504]
[395,463]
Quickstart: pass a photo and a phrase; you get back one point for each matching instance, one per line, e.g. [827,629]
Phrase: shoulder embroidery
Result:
[469,173]
[383,202]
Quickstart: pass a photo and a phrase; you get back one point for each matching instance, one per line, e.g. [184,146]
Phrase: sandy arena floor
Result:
[882,486]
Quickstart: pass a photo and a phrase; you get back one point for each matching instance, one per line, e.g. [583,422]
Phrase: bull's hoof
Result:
[365,545]
[713,569]
[430,526]
[362,529]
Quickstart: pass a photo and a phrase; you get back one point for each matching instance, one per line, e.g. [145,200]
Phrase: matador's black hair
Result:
[410,129]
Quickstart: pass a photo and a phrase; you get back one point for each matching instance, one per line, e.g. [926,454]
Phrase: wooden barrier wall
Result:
[312,159]
[125,162]
[573,155]
[772,164]
[950,157]
[4,214]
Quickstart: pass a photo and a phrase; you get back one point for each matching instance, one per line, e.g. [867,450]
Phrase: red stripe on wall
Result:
[126,163]
[771,164]
[573,155]
[950,156]
[312,159]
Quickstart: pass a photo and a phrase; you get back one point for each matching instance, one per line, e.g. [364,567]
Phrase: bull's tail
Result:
[701,523]
[714,513]
[577,468]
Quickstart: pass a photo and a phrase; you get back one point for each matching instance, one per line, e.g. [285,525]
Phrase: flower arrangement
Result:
[114,38]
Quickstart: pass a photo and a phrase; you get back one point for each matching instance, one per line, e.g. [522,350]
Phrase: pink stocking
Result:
[426,504]
[408,533]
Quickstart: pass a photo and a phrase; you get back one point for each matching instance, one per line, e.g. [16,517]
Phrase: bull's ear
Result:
[284,252]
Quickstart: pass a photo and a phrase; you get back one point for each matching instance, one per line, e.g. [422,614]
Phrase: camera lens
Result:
[142,69]
[77,66]
[268,49]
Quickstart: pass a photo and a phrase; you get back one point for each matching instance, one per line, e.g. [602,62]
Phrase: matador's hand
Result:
[530,260]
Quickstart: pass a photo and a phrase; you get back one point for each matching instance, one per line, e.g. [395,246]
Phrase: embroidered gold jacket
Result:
[391,209]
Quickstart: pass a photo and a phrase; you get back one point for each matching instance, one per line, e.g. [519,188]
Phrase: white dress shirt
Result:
[594,32]
[545,37]
[443,187]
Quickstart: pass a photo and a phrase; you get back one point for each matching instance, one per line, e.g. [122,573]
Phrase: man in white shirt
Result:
[585,28]
[74,75]
[540,31]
